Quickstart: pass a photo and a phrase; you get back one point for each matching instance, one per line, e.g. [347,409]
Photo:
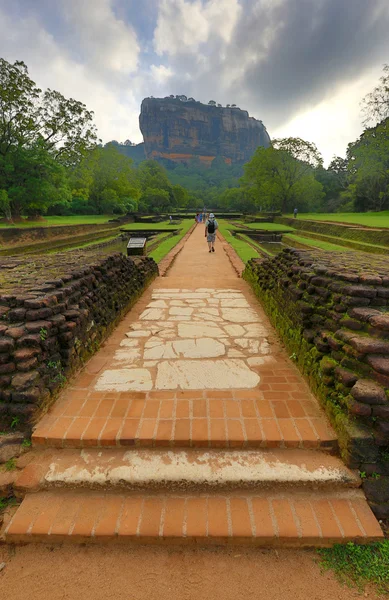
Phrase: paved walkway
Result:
[195,363]
[191,379]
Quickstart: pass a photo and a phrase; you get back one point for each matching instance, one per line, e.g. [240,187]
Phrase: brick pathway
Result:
[194,364]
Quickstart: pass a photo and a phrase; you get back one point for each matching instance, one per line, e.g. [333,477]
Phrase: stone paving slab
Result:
[268,519]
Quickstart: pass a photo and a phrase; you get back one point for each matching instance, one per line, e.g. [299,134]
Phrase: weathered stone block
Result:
[368,392]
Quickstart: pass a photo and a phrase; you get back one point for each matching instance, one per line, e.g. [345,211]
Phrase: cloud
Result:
[105,41]
[114,101]
[299,65]
[183,25]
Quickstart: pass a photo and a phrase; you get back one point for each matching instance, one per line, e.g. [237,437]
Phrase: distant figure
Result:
[200,217]
[295,213]
[210,232]
[197,218]
[171,219]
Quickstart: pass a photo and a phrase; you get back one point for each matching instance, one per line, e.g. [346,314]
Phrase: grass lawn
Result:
[242,248]
[316,243]
[166,245]
[263,226]
[359,566]
[370,219]
[73,220]
[186,223]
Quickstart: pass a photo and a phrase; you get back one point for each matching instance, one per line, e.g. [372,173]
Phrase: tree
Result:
[375,105]
[35,181]
[152,175]
[283,175]
[181,196]
[303,151]
[155,200]
[219,105]
[212,103]
[28,115]
[107,181]
[39,133]
[368,166]
[5,207]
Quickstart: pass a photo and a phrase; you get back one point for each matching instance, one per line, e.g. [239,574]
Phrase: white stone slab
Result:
[255,330]
[205,374]
[233,353]
[140,333]
[228,295]
[167,334]
[199,330]
[126,343]
[164,350]
[124,380]
[127,356]
[152,314]
[178,310]
[177,303]
[208,311]
[180,318]
[252,346]
[234,303]
[240,315]
[199,348]
[157,304]
[234,330]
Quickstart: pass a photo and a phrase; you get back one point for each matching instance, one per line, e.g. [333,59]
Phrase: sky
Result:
[301,66]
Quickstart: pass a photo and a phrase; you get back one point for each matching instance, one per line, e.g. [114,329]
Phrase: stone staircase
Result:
[190,425]
[267,497]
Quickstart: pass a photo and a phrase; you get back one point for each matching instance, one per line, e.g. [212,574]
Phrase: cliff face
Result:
[181,131]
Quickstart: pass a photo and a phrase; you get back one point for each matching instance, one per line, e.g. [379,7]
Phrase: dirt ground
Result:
[150,573]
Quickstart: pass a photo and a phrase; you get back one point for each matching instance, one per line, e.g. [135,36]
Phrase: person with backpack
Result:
[210,232]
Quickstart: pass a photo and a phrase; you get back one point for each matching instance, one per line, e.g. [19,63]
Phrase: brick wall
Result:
[332,311]
[54,312]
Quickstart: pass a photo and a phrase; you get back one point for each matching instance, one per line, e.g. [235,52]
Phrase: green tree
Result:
[40,133]
[113,180]
[5,207]
[155,201]
[35,181]
[368,166]
[375,105]
[282,176]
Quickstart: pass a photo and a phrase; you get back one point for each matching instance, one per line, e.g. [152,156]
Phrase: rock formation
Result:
[181,130]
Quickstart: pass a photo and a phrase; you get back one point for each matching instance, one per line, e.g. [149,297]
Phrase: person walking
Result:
[210,232]
[295,213]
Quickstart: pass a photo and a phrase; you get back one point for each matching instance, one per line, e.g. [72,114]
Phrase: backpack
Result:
[211,227]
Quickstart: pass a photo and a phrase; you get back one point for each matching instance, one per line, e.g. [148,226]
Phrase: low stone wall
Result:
[357,233]
[54,312]
[332,311]
[17,236]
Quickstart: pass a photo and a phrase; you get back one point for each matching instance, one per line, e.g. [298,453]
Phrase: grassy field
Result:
[151,226]
[55,221]
[262,226]
[164,247]
[242,248]
[370,219]
[316,243]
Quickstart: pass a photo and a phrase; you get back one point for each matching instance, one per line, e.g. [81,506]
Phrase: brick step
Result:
[184,470]
[189,432]
[267,519]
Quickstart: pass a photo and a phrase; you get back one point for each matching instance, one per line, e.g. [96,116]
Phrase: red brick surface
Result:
[250,518]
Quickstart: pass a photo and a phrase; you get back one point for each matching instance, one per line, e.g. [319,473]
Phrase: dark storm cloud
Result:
[286,56]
